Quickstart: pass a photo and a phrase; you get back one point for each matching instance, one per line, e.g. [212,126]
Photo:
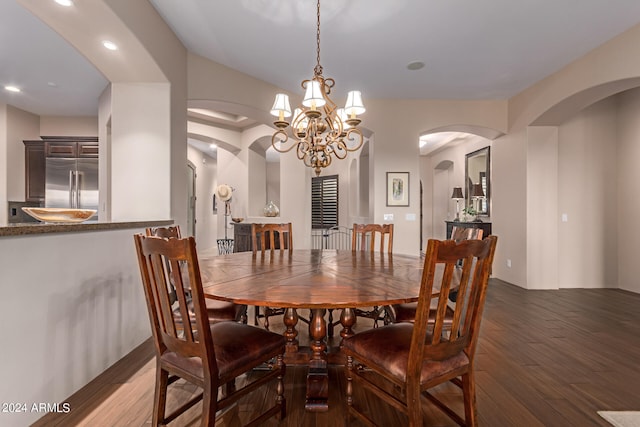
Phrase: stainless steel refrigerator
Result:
[71,183]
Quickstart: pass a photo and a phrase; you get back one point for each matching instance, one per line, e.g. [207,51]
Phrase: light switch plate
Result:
[388,217]
[410,217]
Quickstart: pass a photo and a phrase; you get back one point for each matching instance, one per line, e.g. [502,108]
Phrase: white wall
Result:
[628,132]
[257,197]
[542,207]
[68,126]
[141,152]
[3,163]
[73,316]
[21,125]
[587,195]
[509,207]
[273,182]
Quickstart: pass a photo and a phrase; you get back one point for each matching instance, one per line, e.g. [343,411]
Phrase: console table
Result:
[485,226]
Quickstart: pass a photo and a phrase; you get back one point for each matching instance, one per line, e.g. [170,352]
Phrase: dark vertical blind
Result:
[324,201]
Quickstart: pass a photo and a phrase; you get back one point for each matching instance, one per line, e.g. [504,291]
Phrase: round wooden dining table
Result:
[317,280]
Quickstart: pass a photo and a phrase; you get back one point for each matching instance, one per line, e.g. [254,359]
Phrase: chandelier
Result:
[318,129]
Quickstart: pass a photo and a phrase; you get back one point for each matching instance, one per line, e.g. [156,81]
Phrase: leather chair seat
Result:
[236,345]
[387,348]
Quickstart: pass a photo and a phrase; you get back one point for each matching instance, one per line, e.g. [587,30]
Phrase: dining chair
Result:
[407,312]
[217,311]
[369,238]
[401,362]
[270,237]
[365,237]
[208,355]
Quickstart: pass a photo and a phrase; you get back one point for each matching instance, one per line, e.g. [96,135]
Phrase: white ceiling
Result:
[472,49]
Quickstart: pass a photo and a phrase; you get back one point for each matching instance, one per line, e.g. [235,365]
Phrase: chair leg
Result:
[242,317]
[209,405]
[469,393]
[256,311]
[389,318]
[414,408]
[280,399]
[160,399]
[349,381]
[267,313]
[330,324]
[376,314]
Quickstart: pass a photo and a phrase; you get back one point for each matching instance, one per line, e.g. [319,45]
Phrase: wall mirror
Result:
[477,171]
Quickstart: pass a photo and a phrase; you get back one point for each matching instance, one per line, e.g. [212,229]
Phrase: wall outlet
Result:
[565,217]
[509,263]
[388,217]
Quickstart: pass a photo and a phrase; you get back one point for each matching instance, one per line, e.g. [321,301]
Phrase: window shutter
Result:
[324,201]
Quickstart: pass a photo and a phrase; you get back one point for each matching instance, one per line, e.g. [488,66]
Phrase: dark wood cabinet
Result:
[485,226]
[34,160]
[87,149]
[61,149]
[242,237]
[71,149]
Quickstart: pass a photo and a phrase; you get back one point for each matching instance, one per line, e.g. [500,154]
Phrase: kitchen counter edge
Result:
[23,229]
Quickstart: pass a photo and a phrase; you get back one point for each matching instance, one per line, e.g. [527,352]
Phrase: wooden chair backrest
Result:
[263,237]
[364,237]
[462,233]
[166,232]
[428,341]
[158,259]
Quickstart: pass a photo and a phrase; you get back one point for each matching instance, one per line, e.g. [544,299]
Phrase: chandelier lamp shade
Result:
[318,130]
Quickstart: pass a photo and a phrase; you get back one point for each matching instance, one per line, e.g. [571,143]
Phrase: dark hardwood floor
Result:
[545,358]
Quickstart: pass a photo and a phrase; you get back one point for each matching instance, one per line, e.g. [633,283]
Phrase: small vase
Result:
[271,209]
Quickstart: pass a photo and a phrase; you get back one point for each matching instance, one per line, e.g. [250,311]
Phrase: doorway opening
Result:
[191,199]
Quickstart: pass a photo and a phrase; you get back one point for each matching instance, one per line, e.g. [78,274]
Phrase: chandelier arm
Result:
[303,148]
[340,150]
[281,141]
[349,137]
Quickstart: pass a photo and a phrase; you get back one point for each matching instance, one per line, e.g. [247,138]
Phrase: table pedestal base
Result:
[317,358]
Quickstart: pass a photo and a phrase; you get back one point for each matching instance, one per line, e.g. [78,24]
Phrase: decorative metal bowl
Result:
[60,215]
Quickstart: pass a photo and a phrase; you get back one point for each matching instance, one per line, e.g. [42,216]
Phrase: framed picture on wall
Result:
[397,188]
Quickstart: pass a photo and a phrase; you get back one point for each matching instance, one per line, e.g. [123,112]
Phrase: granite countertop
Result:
[21,229]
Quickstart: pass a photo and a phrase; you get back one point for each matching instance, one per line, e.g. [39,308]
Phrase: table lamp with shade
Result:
[457,195]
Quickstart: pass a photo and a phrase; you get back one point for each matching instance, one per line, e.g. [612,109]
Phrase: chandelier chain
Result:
[319,131]
[318,68]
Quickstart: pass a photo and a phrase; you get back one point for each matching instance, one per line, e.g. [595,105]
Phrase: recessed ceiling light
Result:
[416,65]
[66,3]
[52,84]
[12,89]
[110,45]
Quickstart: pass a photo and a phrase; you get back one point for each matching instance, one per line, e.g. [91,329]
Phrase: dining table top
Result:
[312,278]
